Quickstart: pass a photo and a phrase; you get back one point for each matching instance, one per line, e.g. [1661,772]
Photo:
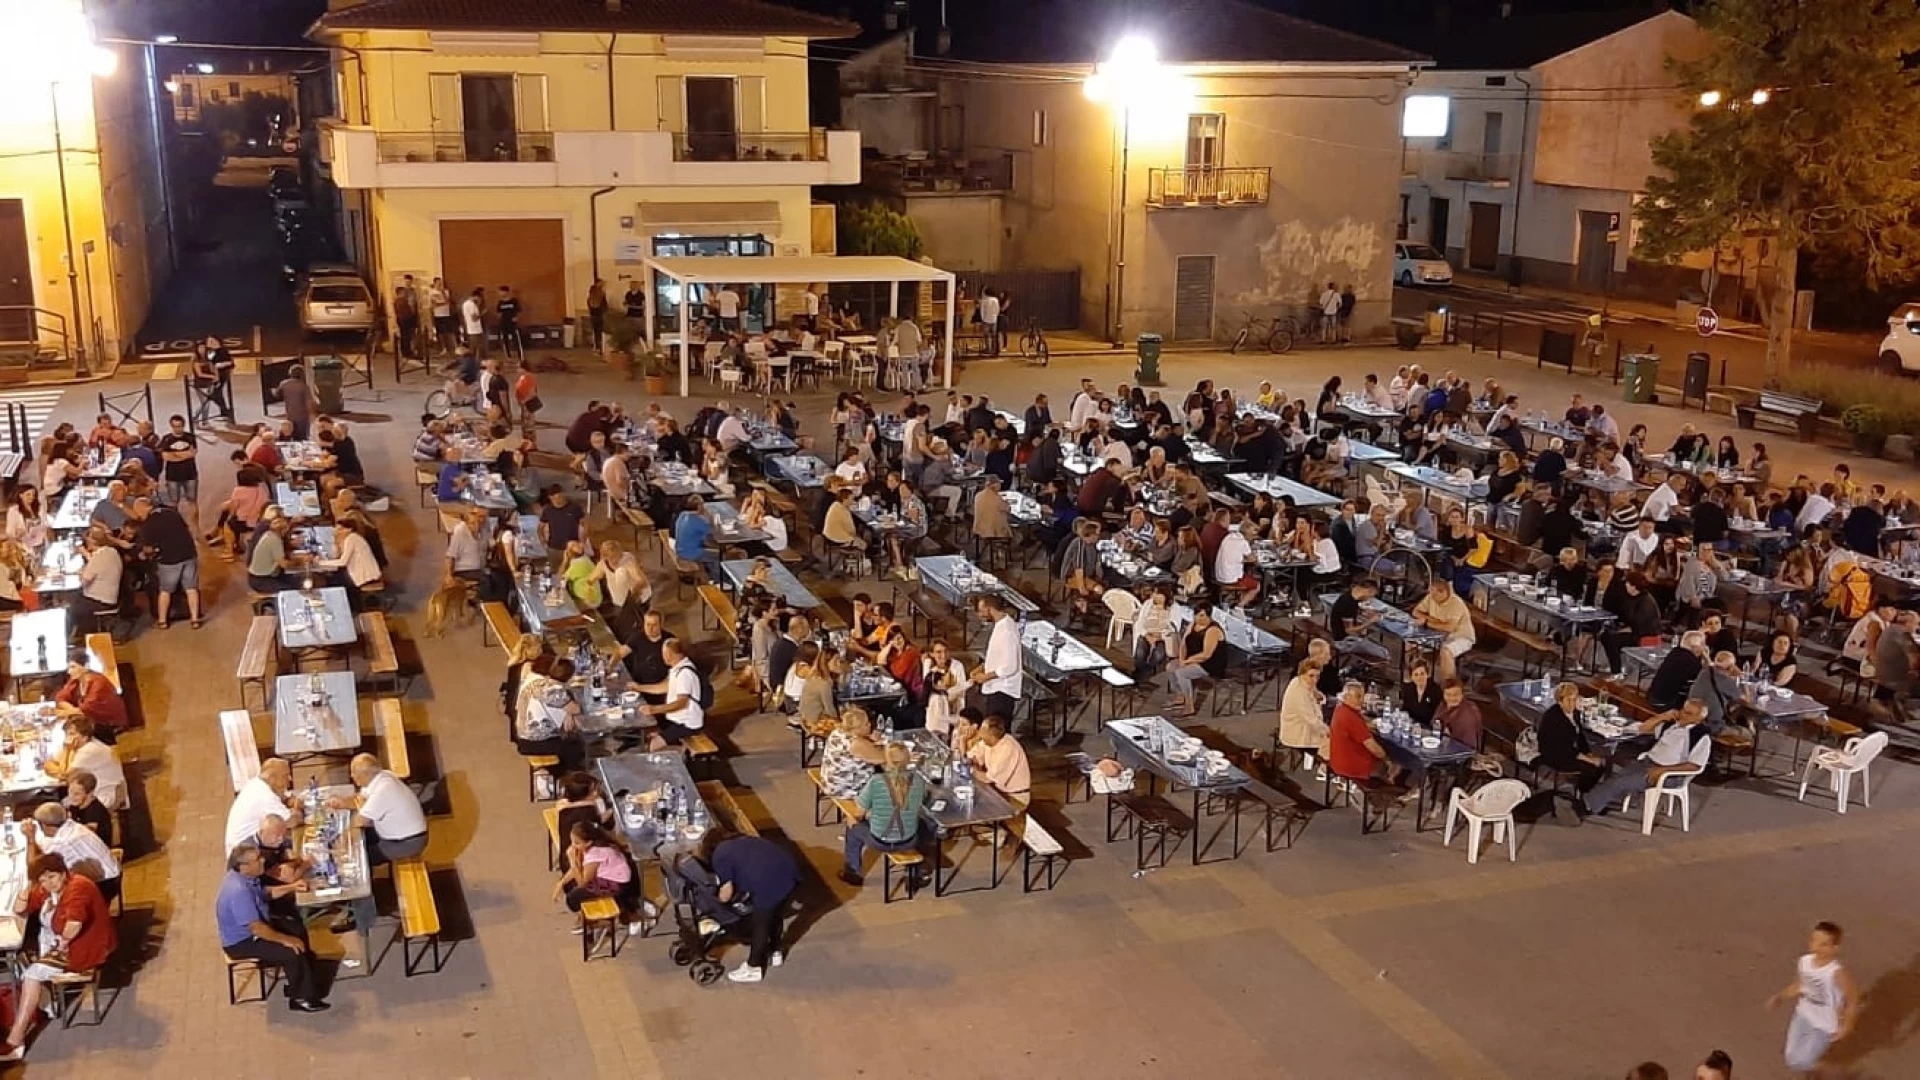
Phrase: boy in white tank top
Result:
[1825,1002]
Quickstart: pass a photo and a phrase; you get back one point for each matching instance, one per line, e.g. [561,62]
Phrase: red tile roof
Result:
[753,18]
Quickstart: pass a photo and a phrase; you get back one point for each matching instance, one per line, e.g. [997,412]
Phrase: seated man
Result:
[387,809]
[889,817]
[1682,744]
[1352,751]
[1441,610]
[691,530]
[269,793]
[1351,616]
[249,931]
[51,831]
[1458,717]
[1002,761]
[84,807]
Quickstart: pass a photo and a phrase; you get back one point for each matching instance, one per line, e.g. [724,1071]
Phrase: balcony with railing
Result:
[364,158]
[979,172]
[1202,185]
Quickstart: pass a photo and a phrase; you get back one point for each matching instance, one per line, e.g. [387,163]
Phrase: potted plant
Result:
[655,367]
[621,336]
[1868,426]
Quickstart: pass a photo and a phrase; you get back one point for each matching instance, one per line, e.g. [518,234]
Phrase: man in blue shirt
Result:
[690,532]
[247,930]
[764,873]
[453,478]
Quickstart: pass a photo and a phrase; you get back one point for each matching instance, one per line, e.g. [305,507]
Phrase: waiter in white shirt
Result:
[387,809]
[997,681]
[727,303]
[990,320]
[681,714]
[1659,505]
[813,310]
[1638,546]
[1084,407]
[473,322]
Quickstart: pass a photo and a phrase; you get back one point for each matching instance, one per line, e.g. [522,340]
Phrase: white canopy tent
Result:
[792,270]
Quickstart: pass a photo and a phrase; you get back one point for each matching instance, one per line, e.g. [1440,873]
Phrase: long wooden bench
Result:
[243,751]
[383,664]
[843,809]
[496,620]
[641,523]
[256,656]
[1143,816]
[418,926]
[1788,412]
[100,657]
[720,606]
[556,847]
[392,733]
[701,751]
[600,921]
[1036,843]
[725,809]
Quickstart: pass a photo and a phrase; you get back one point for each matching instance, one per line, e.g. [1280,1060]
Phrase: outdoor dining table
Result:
[60,566]
[1130,567]
[76,507]
[315,715]
[13,882]
[1357,408]
[101,465]
[298,503]
[949,812]
[1603,482]
[351,877]
[302,456]
[35,735]
[870,685]
[469,448]
[1543,427]
[956,580]
[801,470]
[609,702]
[37,643]
[314,540]
[545,603]
[1278,487]
[1544,606]
[780,580]
[489,491]
[1056,655]
[1365,453]
[315,618]
[1528,700]
[1481,447]
[1735,475]
[729,531]
[1393,630]
[1154,745]
[1746,589]
[1432,756]
[1440,481]
[648,790]
[676,480]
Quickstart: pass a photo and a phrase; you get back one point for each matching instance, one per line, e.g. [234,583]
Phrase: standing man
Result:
[765,874]
[990,320]
[179,469]
[298,400]
[440,306]
[727,303]
[1329,313]
[222,363]
[1347,303]
[165,534]
[406,314]
[997,681]
[1826,1003]
[473,321]
[508,310]
[813,309]
[597,312]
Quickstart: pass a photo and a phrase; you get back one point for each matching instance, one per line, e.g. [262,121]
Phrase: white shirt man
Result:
[1002,659]
[1397,390]
[470,317]
[1330,301]
[684,681]
[392,808]
[80,846]
[956,412]
[1115,450]
[1379,396]
[727,302]
[1620,468]
[255,800]
[1085,407]
[733,433]
[852,470]
[356,558]
[989,311]
[776,530]
[440,302]
[813,303]
[1326,556]
[1659,505]
[1230,562]
[1638,546]
[1818,509]
[1604,425]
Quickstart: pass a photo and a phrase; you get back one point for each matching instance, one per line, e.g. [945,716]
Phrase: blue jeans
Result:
[860,837]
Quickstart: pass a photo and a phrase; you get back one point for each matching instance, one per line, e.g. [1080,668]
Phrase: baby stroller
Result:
[701,919]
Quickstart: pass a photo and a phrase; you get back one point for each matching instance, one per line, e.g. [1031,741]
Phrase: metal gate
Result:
[1193,298]
[1052,296]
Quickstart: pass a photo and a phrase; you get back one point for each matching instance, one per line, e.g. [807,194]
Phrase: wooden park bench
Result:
[389,729]
[1142,816]
[497,621]
[418,926]
[243,751]
[1789,412]
[383,664]
[257,655]
[720,606]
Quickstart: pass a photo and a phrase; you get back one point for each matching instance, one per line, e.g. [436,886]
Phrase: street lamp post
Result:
[79,331]
[1134,81]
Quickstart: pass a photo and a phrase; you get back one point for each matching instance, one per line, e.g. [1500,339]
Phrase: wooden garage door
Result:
[1193,298]
[529,254]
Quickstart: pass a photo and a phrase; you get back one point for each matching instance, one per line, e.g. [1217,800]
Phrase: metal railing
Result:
[986,170]
[750,145]
[1200,185]
[400,147]
[23,326]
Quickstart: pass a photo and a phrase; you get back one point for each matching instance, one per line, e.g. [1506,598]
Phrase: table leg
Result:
[998,828]
[1196,826]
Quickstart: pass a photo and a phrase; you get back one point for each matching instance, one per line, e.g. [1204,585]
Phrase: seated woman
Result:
[1080,566]
[598,865]
[1777,664]
[850,756]
[90,694]
[889,814]
[716,470]
[1303,718]
[580,799]
[1563,743]
[583,575]
[1153,629]
[912,527]
[548,717]
[76,935]
[1420,695]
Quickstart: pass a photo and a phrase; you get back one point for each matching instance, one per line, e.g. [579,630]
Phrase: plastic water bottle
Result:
[313,797]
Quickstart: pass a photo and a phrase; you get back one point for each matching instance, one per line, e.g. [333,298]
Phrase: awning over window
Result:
[657,217]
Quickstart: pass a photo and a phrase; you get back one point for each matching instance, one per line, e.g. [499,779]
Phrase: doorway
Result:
[16,274]
[487,117]
[1596,251]
[1483,236]
[712,121]
[1437,208]
[1193,298]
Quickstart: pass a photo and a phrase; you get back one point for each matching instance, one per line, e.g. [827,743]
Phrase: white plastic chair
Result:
[1674,787]
[1125,607]
[1378,495]
[866,369]
[1841,765]
[729,378]
[1491,805]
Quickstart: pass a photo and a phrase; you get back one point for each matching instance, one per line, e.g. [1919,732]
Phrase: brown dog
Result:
[448,604]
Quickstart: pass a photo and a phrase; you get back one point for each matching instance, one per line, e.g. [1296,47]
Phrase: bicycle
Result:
[456,393]
[1278,332]
[1033,344]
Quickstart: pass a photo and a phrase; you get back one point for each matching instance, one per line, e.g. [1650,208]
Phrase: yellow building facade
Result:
[543,147]
[106,241]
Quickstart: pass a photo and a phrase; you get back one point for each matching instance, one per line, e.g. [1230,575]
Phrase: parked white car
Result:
[1900,350]
[1418,264]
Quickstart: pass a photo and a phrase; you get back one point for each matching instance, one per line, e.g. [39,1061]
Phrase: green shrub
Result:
[1864,420]
[1895,399]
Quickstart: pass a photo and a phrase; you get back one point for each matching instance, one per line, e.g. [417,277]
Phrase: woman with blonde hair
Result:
[1303,724]
[851,755]
[16,574]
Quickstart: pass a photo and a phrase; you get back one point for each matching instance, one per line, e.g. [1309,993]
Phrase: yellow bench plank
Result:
[419,917]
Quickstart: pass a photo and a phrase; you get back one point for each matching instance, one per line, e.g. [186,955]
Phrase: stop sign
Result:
[1706,322]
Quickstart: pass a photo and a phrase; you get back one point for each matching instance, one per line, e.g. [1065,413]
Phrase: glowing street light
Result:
[1709,99]
[1133,78]
[1761,97]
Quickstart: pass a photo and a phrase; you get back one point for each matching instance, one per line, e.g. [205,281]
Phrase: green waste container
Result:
[1147,348]
[1640,377]
[325,377]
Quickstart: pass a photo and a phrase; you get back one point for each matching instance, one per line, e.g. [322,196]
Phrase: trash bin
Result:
[1640,377]
[326,378]
[1147,348]
[1407,333]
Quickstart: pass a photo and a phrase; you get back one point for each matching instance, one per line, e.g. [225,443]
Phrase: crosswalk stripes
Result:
[39,406]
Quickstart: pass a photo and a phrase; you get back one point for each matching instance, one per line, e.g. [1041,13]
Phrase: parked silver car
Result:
[335,302]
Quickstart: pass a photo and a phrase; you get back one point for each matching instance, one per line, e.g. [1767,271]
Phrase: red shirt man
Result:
[1352,751]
